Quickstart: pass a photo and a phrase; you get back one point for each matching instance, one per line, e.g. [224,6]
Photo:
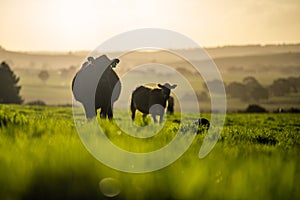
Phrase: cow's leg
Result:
[90,111]
[161,116]
[103,113]
[133,109]
[109,111]
[133,114]
[154,117]
[144,117]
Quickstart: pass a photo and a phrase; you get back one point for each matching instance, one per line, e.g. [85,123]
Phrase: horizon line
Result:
[205,47]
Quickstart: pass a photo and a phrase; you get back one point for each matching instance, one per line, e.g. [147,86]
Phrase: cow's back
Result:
[140,98]
[156,97]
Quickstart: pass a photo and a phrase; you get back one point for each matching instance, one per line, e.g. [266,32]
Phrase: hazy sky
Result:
[31,25]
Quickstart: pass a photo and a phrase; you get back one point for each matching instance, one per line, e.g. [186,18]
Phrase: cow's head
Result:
[103,61]
[166,89]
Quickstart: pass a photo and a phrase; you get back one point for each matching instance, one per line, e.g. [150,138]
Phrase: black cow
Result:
[151,101]
[170,107]
[96,85]
[203,124]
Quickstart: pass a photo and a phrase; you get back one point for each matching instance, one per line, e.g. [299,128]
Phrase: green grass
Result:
[42,157]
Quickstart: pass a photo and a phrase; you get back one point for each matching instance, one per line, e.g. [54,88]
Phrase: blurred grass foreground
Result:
[42,157]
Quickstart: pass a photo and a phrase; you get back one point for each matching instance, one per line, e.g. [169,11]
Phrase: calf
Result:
[150,101]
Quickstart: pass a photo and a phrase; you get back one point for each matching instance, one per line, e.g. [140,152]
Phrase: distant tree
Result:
[250,81]
[237,90]
[259,93]
[294,83]
[202,96]
[9,90]
[285,86]
[215,86]
[249,90]
[44,75]
[36,103]
[254,89]
[253,108]
[280,87]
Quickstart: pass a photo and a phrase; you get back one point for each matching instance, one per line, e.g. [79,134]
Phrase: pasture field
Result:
[42,157]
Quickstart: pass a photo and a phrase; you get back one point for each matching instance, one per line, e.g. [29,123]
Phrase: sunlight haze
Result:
[70,25]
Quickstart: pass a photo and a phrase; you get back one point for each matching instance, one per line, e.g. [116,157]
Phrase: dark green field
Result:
[42,157]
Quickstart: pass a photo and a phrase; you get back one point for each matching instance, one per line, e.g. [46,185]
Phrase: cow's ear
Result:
[91,59]
[114,63]
[159,85]
[173,86]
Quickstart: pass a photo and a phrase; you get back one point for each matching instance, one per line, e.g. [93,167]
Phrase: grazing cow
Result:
[151,101]
[170,107]
[97,86]
[203,124]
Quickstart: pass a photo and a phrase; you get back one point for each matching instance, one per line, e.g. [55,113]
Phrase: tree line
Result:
[250,89]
